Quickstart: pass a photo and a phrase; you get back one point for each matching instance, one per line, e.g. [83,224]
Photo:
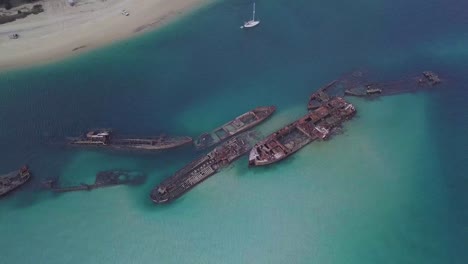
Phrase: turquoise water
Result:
[391,189]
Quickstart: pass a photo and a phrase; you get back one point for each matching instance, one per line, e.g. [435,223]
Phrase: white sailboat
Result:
[253,22]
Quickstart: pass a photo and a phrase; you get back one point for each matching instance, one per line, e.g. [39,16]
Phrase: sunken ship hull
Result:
[103,179]
[362,88]
[105,138]
[13,180]
[159,143]
[202,168]
[316,125]
[234,127]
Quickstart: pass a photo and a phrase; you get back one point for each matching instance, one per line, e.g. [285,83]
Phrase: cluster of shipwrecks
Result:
[327,111]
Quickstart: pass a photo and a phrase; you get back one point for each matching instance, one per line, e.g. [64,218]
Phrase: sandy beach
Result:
[63,30]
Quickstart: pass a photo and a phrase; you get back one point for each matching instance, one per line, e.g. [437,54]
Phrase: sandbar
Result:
[62,30]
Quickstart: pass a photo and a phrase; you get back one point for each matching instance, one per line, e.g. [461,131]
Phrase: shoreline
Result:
[64,31]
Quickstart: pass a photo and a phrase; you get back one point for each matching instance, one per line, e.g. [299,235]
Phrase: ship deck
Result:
[202,168]
[161,142]
[12,180]
[234,127]
[316,125]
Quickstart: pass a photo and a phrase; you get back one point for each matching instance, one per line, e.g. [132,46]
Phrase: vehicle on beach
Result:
[14,36]
[125,12]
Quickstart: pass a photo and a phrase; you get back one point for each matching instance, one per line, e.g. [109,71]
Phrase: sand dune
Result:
[62,30]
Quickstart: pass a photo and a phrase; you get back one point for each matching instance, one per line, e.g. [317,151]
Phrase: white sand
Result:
[55,33]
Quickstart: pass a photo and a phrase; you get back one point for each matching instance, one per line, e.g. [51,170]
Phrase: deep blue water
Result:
[201,71]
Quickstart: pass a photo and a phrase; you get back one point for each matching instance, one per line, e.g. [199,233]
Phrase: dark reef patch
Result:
[10,16]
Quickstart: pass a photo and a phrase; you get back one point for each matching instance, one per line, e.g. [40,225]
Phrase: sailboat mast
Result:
[253,16]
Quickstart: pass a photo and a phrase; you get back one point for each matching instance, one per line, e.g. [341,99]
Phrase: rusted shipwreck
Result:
[105,138]
[202,168]
[238,125]
[103,179]
[362,88]
[14,179]
[357,84]
[316,125]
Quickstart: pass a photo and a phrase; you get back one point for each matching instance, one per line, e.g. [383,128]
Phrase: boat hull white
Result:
[250,24]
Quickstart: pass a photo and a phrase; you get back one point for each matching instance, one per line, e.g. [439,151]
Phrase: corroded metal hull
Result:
[160,143]
[105,138]
[359,86]
[202,168]
[238,125]
[103,179]
[316,125]
[13,180]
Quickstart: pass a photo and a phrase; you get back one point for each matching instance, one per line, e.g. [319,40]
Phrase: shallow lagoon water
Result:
[390,189]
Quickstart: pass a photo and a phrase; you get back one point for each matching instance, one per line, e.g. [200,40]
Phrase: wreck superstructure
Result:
[234,127]
[202,168]
[316,125]
[106,138]
[13,180]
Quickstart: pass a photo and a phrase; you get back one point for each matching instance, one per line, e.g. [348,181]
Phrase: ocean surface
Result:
[393,188]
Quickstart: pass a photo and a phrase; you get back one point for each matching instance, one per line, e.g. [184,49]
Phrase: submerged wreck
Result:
[106,138]
[357,84]
[202,168]
[103,179]
[234,127]
[363,88]
[13,180]
[316,125]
